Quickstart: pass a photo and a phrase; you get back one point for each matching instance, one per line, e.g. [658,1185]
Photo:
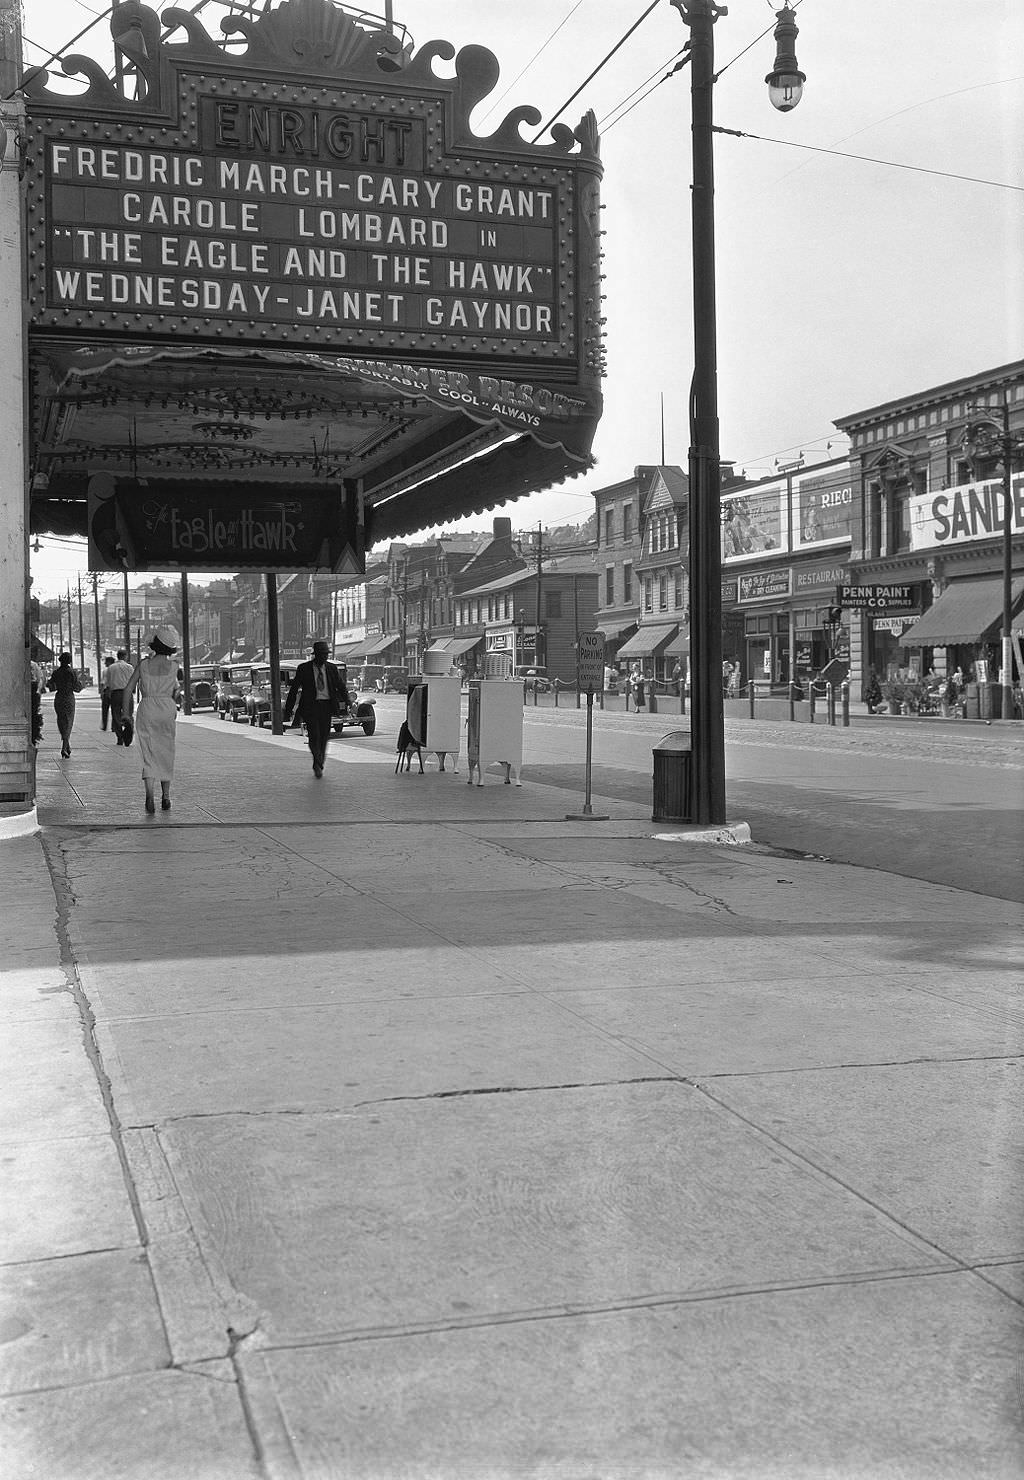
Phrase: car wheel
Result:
[369,725]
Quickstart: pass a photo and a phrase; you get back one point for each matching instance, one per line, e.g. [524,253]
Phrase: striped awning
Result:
[648,641]
[967,611]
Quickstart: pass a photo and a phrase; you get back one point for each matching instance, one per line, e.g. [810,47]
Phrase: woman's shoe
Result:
[150,805]
[165,803]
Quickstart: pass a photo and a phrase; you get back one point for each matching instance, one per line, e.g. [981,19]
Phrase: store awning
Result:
[373,646]
[679,647]
[455,647]
[967,611]
[648,642]
[612,631]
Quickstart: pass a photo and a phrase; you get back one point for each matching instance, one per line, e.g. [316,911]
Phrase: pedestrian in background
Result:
[637,684]
[108,663]
[65,684]
[119,675]
[320,692]
[156,679]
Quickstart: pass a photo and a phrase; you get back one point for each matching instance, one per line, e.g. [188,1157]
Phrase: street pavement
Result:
[383,1126]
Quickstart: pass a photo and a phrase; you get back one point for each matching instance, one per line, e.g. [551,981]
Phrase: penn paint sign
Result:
[249,197]
[877,598]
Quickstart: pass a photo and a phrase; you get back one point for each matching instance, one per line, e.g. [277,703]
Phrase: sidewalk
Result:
[485,1144]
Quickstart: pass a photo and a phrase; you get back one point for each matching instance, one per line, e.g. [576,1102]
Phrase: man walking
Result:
[118,676]
[321,694]
[108,663]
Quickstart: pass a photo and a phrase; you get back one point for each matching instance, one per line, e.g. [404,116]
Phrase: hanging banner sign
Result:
[188,527]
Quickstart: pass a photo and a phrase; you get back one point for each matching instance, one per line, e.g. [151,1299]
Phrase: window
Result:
[627,521]
[552,603]
[609,585]
[648,594]
[678,592]
[627,583]
[609,532]
[663,593]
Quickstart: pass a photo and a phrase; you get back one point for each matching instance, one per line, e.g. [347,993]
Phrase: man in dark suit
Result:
[321,694]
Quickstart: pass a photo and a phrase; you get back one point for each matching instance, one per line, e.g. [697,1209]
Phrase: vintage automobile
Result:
[360,710]
[257,700]
[256,704]
[233,683]
[202,682]
[534,679]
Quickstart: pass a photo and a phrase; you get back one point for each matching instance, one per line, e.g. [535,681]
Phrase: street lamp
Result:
[785,85]
[995,421]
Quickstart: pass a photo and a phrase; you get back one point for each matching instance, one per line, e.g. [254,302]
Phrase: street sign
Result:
[590,662]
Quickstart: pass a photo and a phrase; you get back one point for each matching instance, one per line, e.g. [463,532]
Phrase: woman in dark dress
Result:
[65,684]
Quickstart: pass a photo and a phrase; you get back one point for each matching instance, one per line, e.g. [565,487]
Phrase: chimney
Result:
[503,528]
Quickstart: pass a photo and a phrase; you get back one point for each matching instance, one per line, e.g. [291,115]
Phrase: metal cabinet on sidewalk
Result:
[494,731]
[434,715]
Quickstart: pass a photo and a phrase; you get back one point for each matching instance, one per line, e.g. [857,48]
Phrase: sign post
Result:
[589,676]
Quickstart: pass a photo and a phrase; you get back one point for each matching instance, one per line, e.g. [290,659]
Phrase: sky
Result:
[842,282]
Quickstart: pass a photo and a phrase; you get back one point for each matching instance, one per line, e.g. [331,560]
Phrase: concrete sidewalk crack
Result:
[524,1089]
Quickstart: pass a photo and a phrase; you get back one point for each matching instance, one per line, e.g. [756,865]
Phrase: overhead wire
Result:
[522,73]
[603,63]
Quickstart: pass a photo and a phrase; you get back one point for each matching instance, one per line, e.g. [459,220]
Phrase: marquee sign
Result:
[171,526]
[233,205]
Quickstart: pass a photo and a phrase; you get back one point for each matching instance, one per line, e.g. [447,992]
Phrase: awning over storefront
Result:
[967,611]
[648,642]
[679,647]
[455,647]
[374,646]
[612,631]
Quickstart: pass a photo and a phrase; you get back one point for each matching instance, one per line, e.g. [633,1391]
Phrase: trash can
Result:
[672,778]
[972,702]
[990,701]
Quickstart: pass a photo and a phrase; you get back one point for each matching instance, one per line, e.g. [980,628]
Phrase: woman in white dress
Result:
[156,680]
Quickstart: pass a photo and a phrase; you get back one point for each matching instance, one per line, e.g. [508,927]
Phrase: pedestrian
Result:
[637,684]
[677,678]
[36,685]
[118,677]
[873,693]
[64,684]
[108,663]
[320,692]
[156,679]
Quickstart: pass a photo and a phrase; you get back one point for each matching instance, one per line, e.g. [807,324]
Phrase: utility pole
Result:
[94,575]
[185,642]
[536,633]
[127,620]
[81,626]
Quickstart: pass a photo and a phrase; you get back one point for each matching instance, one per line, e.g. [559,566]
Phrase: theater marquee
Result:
[301,222]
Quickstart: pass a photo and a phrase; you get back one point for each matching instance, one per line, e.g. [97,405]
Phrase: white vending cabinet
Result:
[434,715]
[495,728]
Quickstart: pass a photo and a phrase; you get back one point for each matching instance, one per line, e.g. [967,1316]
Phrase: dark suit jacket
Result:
[303,689]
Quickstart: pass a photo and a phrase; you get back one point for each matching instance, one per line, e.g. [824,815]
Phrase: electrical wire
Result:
[520,75]
[603,63]
[891,164]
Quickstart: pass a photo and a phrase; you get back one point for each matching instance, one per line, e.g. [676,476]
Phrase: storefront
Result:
[648,649]
[964,625]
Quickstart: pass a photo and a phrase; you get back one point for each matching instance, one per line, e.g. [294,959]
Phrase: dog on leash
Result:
[407,747]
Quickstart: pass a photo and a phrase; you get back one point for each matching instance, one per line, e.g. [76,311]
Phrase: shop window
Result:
[627,583]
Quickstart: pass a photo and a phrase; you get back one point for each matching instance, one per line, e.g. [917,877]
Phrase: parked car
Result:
[534,679]
[360,710]
[233,683]
[257,700]
[202,684]
[383,680]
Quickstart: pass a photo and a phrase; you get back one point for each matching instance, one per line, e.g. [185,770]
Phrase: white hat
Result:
[167,637]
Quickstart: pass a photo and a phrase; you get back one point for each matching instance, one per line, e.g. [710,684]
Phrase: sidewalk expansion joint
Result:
[65,900]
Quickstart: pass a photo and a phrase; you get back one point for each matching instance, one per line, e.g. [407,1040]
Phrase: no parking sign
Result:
[590,662]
